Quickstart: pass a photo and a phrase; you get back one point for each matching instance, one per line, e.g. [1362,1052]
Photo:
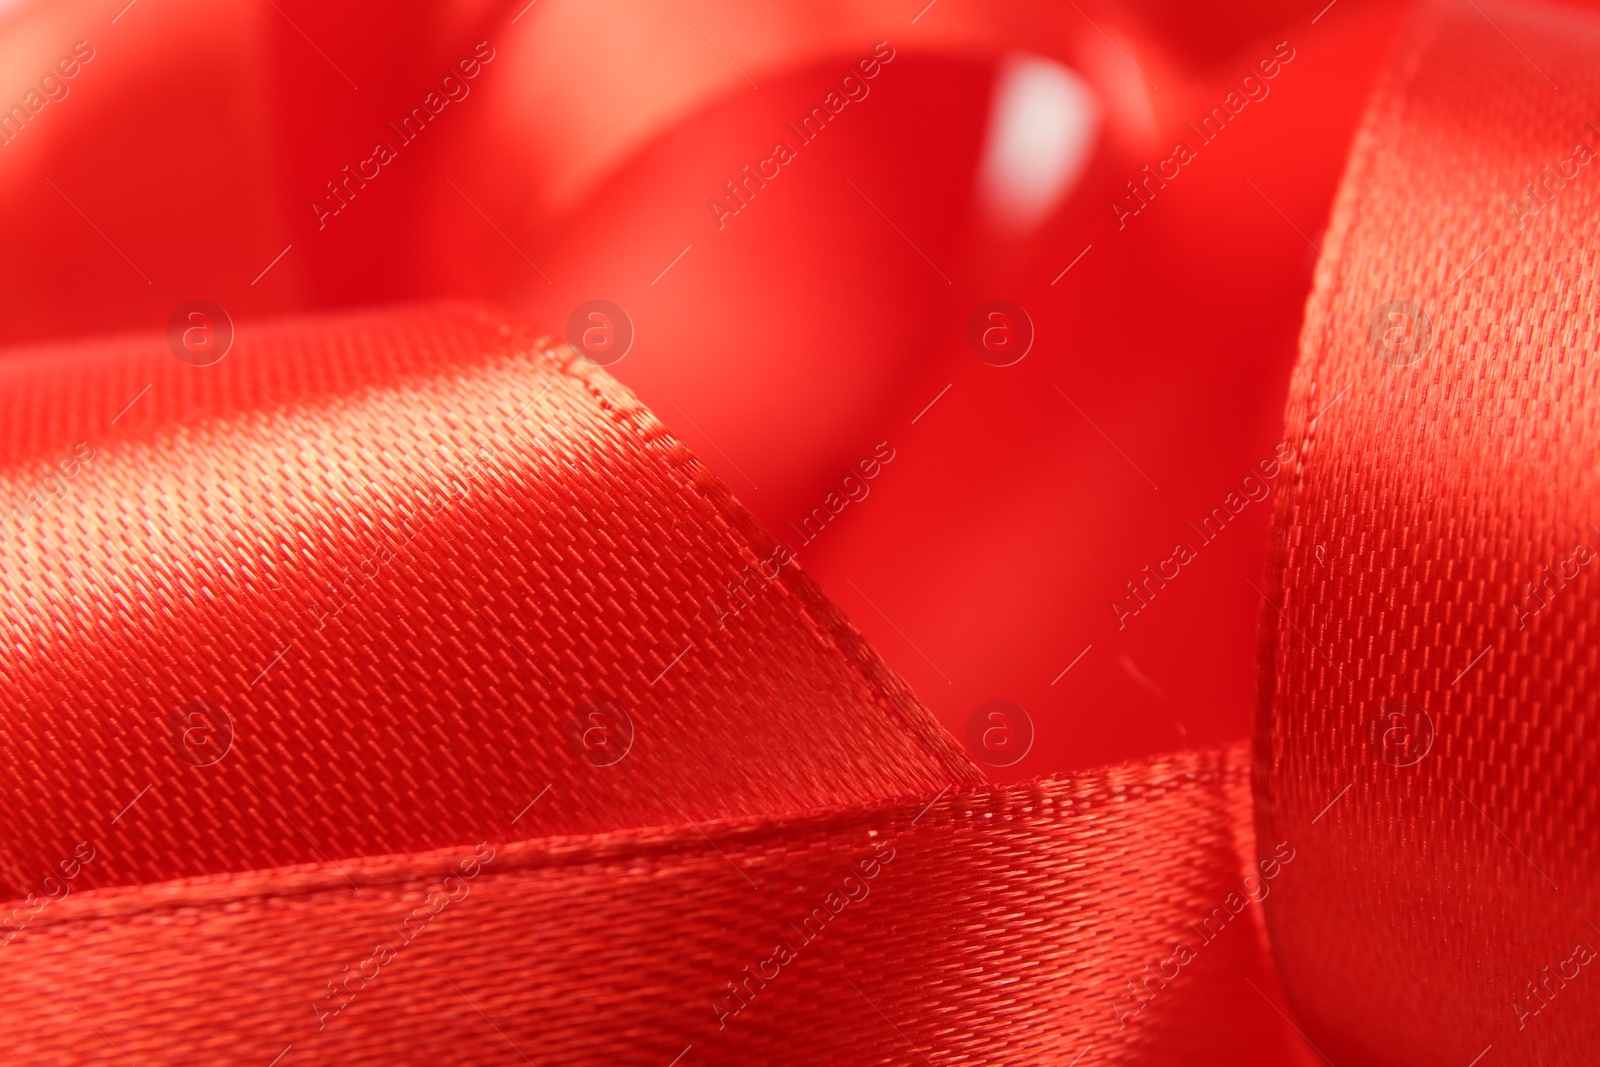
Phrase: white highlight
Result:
[1042,128]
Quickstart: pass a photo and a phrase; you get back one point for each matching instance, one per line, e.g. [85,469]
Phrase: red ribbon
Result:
[431,599]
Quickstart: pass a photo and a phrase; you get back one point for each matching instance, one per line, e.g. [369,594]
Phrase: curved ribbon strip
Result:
[401,558]
[961,927]
[402,654]
[1432,672]
[389,580]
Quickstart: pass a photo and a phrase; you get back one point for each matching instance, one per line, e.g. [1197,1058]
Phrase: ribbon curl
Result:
[791,862]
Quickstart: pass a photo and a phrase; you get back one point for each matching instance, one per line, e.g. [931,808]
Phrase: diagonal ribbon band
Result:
[958,926]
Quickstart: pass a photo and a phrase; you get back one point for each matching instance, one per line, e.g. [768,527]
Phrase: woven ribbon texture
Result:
[503,783]
[1431,662]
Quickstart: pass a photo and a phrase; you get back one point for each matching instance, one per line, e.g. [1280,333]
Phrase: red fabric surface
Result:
[989,910]
[400,595]
[288,635]
[549,546]
[1431,551]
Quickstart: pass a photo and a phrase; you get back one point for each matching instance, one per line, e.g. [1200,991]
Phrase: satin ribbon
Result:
[1426,661]
[403,566]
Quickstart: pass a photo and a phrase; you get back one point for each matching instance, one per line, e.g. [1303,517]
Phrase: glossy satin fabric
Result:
[400,552]
[961,928]
[401,549]
[526,540]
[1432,556]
